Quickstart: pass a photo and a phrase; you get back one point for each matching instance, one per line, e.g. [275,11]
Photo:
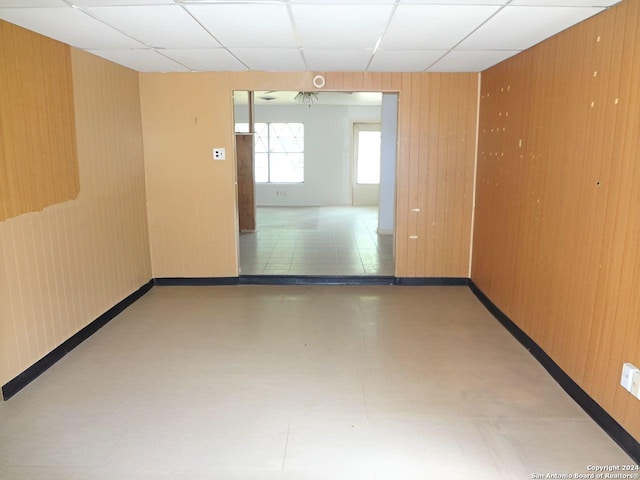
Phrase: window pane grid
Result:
[278,151]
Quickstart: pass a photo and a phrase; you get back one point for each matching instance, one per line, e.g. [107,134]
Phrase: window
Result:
[278,152]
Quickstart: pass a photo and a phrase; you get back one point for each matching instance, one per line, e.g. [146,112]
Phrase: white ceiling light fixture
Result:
[319,81]
[306,98]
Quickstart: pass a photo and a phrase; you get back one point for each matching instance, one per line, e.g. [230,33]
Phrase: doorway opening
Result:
[366,163]
[315,207]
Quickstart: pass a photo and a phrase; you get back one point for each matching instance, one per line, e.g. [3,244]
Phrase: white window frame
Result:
[244,127]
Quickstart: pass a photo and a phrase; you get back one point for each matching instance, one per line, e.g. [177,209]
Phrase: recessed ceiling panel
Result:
[518,28]
[32,3]
[254,25]
[271,59]
[162,26]
[105,3]
[342,2]
[404,60]
[206,60]
[196,2]
[296,35]
[141,60]
[470,61]
[340,26]
[70,26]
[457,2]
[416,27]
[566,3]
[337,60]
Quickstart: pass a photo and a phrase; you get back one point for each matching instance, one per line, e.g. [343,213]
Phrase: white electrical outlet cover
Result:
[219,154]
[627,376]
[635,384]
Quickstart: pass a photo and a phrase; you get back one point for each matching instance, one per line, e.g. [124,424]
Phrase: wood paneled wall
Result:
[63,267]
[192,198]
[38,161]
[557,225]
[437,118]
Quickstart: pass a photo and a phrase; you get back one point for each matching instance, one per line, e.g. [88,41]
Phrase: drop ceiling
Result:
[301,35]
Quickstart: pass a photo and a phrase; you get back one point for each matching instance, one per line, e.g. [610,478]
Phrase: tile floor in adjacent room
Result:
[316,241]
[299,382]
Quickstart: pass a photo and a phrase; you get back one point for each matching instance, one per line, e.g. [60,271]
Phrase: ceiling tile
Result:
[518,28]
[566,3]
[271,59]
[142,60]
[471,61]
[32,3]
[342,2]
[201,2]
[404,60]
[106,3]
[336,26]
[247,25]
[295,35]
[70,26]
[433,26]
[206,60]
[341,60]
[457,2]
[161,26]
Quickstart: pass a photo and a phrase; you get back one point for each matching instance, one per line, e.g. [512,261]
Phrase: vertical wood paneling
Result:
[413,172]
[402,242]
[626,333]
[38,160]
[376,81]
[557,209]
[425,175]
[191,199]
[435,168]
[246,183]
[63,267]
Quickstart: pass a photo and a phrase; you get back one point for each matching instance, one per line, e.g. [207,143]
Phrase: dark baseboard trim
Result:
[432,281]
[619,435]
[314,280]
[311,280]
[16,384]
[194,281]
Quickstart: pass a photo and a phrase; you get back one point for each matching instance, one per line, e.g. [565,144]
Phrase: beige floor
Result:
[316,241]
[299,382]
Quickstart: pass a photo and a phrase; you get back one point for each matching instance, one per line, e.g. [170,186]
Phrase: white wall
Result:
[327,156]
[389,141]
